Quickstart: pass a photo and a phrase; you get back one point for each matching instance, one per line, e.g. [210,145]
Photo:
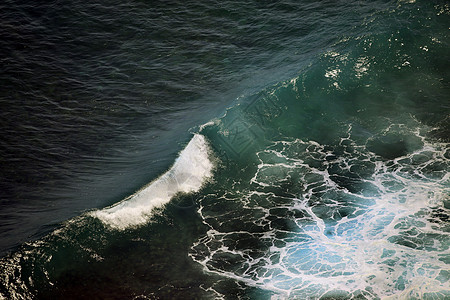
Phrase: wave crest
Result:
[190,171]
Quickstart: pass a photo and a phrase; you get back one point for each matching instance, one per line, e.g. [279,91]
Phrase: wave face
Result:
[189,172]
[328,178]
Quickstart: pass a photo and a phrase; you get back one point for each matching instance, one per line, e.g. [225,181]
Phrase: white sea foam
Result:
[189,172]
[384,239]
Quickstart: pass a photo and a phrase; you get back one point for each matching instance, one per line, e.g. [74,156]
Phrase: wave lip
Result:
[189,172]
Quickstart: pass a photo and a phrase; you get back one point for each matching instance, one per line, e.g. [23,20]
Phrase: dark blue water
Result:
[258,150]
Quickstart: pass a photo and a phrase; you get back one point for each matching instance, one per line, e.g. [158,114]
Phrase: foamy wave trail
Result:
[332,222]
[190,171]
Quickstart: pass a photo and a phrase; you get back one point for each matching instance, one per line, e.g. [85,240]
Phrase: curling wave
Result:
[189,172]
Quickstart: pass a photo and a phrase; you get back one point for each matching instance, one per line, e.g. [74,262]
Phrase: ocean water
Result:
[225,150]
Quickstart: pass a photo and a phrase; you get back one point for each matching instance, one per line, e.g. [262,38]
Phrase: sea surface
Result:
[224,149]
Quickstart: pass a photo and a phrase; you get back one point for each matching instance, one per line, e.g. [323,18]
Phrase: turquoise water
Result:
[270,150]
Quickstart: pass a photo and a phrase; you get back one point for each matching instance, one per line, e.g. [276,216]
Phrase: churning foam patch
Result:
[189,172]
[381,235]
